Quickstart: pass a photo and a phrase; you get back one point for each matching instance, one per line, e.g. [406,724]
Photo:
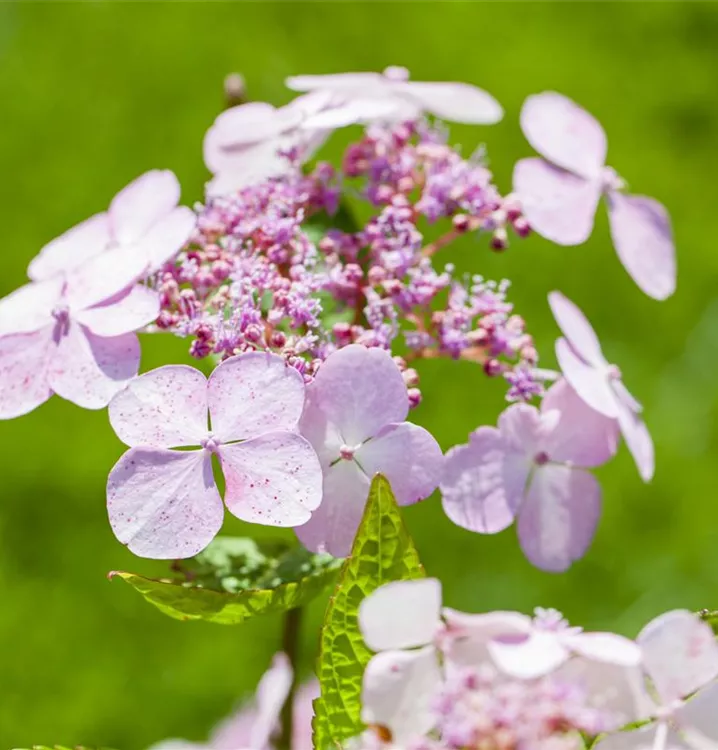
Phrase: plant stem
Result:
[290,646]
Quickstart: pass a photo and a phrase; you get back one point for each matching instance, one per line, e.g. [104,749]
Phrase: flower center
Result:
[541,458]
[613,372]
[611,180]
[210,443]
[61,313]
[347,451]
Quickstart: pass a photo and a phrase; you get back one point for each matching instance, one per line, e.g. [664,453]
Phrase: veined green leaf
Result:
[383,551]
[236,579]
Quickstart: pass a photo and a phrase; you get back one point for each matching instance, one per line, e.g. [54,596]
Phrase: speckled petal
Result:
[128,311]
[23,372]
[30,307]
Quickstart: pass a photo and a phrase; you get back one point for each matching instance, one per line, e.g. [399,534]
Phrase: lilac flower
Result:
[599,383]
[73,334]
[559,196]
[529,469]
[164,503]
[460,102]
[354,418]
[143,220]
[255,725]
[680,658]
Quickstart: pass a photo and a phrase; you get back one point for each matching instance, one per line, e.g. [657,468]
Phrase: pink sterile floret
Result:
[598,382]
[164,503]
[532,468]
[354,418]
[560,194]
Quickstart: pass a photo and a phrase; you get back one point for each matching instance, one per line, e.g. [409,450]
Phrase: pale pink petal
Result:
[575,327]
[642,236]
[558,519]
[608,647]
[235,731]
[458,102]
[408,456]
[592,384]
[698,717]
[564,133]
[680,654]
[254,393]
[164,408]
[398,690]
[23,371]
[483,483]
[336,81]
[582,435]
[522,429]
[89,370]
[467,636]
[140,205]
[272,693]
[244,125]
[360,390]
[638,441]
[176,744]
[30,307]
[164,504]
[333,525]
[165,239]
[126,312]
[71,249]
[322,434]
[653,737]
[558,205]
[528,657]
[303,715]
[401,614]
[354,110]
[274,479]
[103,277]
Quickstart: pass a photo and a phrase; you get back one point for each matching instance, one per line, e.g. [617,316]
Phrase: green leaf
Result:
[383,551]
[236,579]
[58,747]
[711,618]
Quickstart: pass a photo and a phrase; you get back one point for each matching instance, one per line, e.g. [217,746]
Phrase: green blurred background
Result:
[93,94]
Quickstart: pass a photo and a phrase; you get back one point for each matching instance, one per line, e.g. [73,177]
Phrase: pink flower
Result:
[460,102]
[559,195]
[164,503]
[354,418]
[529,469]
[599,383]
[73,335]
[143,220]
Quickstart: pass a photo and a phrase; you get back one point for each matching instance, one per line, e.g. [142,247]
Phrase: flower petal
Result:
[254,393]
[128,311]
[164,408]
[272,693]
[638,441]
[140,205]
[582,436]
[645,738]
[589,382]
[164,504]
[458,102]
[89,370]
[250,165]
[335,81]
[333,525]
[274,479]
[408,456]
[680,654]
[354,110]
[163,241]
[558,519]
[642,236]
[528,657]
[397,692]
[522,429]
[30,307]
[23,372]
[483,483]
[564,133]
[401,614]
[608,647]
[558,205]
[360,390]
[71,249]
[697,717]
[575,327]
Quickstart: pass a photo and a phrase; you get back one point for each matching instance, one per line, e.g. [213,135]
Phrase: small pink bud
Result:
[461,222]
[376,275]
[411,377]
[400,362]
[492,367]
[278,339]
[522,227]
[253,333]
[414,397]
[499,240]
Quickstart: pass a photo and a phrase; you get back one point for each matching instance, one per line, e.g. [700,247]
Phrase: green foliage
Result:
[57,747]
[383,551]
[236,579]
[711,617]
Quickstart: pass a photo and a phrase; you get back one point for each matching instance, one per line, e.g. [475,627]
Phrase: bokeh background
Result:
[93,94]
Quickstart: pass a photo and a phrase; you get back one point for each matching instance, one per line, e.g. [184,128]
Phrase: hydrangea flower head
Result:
[164,503]
[532,468]
[559,194]
[598,382]
[354,418]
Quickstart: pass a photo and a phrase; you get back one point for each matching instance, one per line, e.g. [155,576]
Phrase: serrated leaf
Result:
[383,551]
[236,579]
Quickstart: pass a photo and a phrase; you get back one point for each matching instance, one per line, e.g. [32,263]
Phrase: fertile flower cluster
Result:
[447,679]
[315,322]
